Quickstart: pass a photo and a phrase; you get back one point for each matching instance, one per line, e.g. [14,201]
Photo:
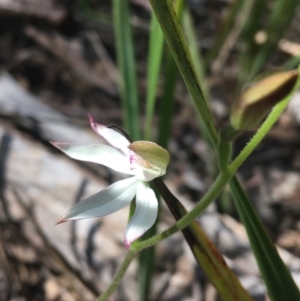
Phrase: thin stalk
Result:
[118,276]
[126,64]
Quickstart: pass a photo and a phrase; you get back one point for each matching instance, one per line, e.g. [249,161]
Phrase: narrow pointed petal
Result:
[113,137]
[97,153]
[144,216]
[108,200]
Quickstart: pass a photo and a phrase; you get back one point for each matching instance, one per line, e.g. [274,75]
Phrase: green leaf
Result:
[126,64]
[154,59]
[173,34]
[278,279]
[193,43]
[146,259]
[206,254]
[156,43]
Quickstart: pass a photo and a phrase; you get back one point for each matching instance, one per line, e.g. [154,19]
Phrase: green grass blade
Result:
[168,97]
[278,279]
[154,61]
[192,40]
[146,259]
[126,64]
[156,43]
[205,253]
[167,102]
[170,26]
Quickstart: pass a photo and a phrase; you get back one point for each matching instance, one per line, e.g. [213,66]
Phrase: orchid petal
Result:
[97,153]
[114,138]
[108,200]
[144,216]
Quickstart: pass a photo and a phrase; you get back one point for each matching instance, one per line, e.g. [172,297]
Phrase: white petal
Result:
[144,216]
[113,137]
[108,200]
[97,153]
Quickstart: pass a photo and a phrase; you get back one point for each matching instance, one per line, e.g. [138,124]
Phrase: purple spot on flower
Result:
[131,162]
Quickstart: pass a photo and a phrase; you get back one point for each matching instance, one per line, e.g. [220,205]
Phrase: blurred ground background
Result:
[58,64]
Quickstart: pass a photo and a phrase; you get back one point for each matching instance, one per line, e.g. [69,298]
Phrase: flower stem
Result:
[117,278]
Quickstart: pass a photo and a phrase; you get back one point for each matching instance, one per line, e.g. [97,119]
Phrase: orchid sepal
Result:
[111,199]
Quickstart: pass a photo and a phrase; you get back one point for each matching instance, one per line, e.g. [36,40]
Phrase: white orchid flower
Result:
[143,160]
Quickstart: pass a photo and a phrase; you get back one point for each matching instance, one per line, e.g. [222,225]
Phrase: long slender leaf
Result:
[146,258]
[197,61]
[167,101]
[154,61]
[206,254]
[169,23]
[126,64]
[278,279]
[190,33]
